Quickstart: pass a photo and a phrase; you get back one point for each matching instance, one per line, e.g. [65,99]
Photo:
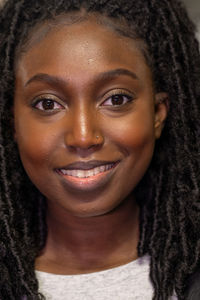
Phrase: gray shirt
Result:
[127,282]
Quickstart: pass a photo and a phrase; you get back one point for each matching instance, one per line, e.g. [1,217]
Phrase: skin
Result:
[95,227]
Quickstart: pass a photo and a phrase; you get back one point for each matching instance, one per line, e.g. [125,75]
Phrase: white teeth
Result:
[102,168]
[86,173]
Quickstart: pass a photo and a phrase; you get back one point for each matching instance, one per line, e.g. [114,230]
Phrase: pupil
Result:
[48,104]
[117,100]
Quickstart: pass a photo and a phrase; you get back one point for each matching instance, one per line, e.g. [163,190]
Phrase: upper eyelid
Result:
[118,91]
[40,98]
[45,96]
[123,92]
[47,99]
[130,99]
[104,97]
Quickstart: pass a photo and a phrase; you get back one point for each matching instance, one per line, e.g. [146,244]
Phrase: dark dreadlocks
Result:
[169,192]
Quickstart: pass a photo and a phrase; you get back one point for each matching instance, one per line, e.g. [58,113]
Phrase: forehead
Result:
[116,25]
[82,46]
[40,29]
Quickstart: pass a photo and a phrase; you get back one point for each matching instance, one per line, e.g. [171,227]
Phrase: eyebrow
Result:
[55,80]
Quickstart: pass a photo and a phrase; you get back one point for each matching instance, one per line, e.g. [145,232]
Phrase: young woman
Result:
[99,147]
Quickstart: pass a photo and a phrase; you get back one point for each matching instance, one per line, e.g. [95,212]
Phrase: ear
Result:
[161,110]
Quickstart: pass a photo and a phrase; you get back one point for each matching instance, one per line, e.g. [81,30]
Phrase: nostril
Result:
[84,149]
[94,146]
[77,140]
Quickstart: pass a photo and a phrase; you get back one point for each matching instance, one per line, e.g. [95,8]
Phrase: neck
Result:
[79,245]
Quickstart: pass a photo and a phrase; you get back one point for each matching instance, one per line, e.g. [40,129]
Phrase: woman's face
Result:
[85,117]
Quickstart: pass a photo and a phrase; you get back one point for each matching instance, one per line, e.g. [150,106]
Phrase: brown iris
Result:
[117,99]
[48,104]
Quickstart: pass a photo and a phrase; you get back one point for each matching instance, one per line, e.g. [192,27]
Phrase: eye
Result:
[47,104]
[117,100]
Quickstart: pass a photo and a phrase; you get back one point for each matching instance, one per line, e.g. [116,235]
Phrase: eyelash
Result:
[119,94]
[38,103]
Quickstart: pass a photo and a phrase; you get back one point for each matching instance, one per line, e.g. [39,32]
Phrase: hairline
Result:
[44,27]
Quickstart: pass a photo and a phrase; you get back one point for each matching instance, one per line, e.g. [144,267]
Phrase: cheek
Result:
[133,133]
[34,142]
[136,140]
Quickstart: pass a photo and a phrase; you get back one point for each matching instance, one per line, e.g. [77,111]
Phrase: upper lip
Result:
[82,165]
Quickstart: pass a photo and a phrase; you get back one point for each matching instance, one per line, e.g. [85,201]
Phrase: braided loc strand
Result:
[181,208]
[169,192]
[15,230]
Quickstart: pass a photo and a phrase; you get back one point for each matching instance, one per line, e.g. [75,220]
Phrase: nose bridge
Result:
[84,127]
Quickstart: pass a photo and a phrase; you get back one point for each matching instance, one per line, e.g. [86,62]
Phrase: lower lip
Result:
[88,183]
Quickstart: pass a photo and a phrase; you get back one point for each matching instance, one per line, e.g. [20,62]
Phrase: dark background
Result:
[193,7]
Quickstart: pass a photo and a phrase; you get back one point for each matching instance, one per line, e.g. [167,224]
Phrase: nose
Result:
[85,134]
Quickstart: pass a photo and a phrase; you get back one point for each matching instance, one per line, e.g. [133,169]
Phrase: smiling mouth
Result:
[86,176]
[87,173]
